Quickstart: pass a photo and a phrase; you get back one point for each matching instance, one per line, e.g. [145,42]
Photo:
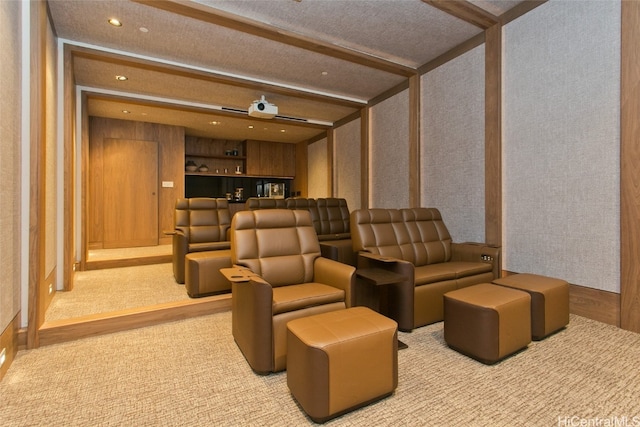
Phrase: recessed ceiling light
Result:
[282,130]
[214,122]
[144,29]
[324,73]
[250,126]
[126,111]
[122,78]
[115,22]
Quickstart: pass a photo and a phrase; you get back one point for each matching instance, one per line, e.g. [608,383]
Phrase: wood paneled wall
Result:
[170,166]
[299,186]
[493,135]
[630,168]
[37,211]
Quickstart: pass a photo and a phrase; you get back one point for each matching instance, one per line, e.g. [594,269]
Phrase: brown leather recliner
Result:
[254,203]
[200,224]
[306,204]
[281,247]
[330,217]
[335,230]
[416,244]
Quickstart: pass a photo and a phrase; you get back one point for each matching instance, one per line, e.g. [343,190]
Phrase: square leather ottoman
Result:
[341,360]
[487,322]
[549,301]
[202,273]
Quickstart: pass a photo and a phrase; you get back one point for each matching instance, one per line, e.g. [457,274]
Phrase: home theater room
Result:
[320,212]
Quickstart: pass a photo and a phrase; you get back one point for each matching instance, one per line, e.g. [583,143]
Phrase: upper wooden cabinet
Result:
[214,156]
[271,159]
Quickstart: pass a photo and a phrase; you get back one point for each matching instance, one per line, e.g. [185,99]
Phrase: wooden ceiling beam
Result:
[259,29]
[466,11]
[202,110]
[113,58]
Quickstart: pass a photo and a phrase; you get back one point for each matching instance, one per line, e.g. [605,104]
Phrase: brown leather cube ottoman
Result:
[549,301]
[202,273]
[487,322]
[341,360]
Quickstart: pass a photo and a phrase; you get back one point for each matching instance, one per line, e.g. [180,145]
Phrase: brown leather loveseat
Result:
[416,244]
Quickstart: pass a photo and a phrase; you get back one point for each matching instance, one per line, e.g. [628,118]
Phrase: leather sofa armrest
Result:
[252,322]
[478,252]
[180,248]
[337,274]
[218,246]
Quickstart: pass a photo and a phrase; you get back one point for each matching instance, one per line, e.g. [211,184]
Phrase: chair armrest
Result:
[238,274]
[180,249]
[337,274]
[377,257]
[252,322]
[218,246]
[169,232]
[478,252]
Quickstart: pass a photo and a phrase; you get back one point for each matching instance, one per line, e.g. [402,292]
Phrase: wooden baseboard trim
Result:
[129,262]
[99,324]
[594,304]
[9,342]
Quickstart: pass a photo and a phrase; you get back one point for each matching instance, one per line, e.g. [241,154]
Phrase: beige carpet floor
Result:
[191,373]
[127,253]
[103,291]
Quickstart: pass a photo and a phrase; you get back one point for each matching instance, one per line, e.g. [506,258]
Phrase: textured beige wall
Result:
[561,142]
[317,163]
[51,155]
[347,163]
[452,144]
[389,153]
[10,105]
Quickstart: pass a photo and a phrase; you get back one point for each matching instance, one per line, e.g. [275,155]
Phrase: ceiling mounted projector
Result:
[263,109]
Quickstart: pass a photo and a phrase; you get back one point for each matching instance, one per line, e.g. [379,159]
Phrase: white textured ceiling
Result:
[194,57]
[397,30]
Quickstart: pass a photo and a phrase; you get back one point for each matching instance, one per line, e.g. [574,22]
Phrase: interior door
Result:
[130,193]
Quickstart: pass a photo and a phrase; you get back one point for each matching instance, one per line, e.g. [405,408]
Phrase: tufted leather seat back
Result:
[254,203]
[417,235]
[203,219]
[310,205]
[334,216]
[278,244]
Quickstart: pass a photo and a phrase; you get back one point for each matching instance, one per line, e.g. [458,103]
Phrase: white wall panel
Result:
[561,142]
[452,144]
[389,153]
[317,163]
[347,163]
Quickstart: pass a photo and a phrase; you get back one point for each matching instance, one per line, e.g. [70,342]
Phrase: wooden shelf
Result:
[233,175]
[215,174]
[203,156]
